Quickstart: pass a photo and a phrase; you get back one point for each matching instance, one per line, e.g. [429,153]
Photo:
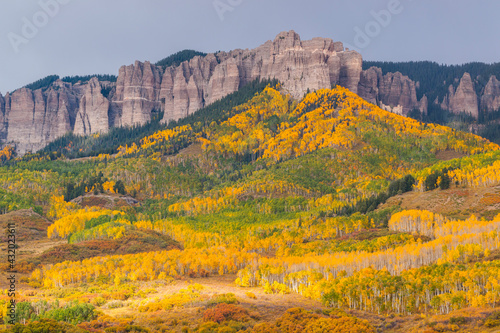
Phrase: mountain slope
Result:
[280,196]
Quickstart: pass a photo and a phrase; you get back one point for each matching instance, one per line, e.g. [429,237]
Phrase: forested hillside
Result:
[433,81]
[260,213]
[432,75]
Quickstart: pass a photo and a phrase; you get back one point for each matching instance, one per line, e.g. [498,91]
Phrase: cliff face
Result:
[490,101]
[196,83]
[3,120]
[34,118]
[137,94]
[394,92]
[463,99]
[298,65]
[92,116]
[31,119]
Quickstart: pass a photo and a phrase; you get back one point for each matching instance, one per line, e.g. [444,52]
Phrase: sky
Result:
[81,37]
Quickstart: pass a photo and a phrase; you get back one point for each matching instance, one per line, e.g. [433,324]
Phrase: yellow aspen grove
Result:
[416,221]
[75,221]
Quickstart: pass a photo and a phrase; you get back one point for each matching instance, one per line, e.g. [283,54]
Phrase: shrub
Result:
[458,320]
[116,304]
[295,320]
[265,328]
[223,312]
[98,301]
[229,298]
[276,288]
[251,295]
[300,320]
[195,287]
[38,210]
[492,323]
[203,273]
[136,329]
[207,327]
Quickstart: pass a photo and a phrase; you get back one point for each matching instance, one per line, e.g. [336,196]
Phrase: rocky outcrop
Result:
[92,116]
[299,65]
[369,84]
[424,104]
[3,120]
[37,117]
[137,94]
[394,92]
[31,119]
[463,99]
[490,101]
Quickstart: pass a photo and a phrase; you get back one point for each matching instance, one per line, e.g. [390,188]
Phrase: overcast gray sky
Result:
[77,37]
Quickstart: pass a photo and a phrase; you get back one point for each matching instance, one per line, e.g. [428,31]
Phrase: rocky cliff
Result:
[31,119]
[298,65]
[490,101]
[462,99]
[393,91]
[93,112]
[465,99]
[137,94]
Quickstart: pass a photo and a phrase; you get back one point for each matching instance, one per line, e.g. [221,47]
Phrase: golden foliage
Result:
[75,221]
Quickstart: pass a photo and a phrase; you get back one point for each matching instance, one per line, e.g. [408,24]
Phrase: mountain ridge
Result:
[30,119]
